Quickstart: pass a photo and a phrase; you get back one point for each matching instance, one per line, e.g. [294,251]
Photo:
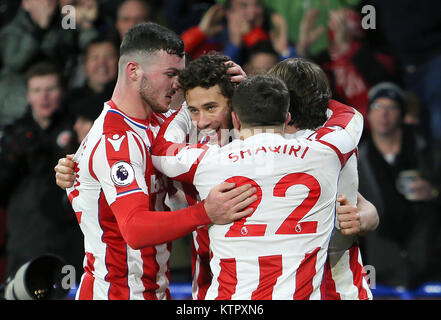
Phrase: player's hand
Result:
[348,217]
[64,172]
[236,72]
[225,203]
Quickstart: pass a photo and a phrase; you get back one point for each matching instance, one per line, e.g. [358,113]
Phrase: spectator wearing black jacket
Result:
[412,30]
[100,69]
[39,217]
[400,174]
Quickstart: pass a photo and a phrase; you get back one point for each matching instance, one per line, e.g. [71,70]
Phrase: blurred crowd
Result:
[59,62]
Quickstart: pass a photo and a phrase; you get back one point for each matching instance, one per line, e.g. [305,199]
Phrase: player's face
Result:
[101,64]
[384,116]
[44,95]
[159,80]
[210,110]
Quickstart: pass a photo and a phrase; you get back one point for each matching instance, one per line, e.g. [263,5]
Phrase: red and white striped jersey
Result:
[344,274]
[113,165]
[275,252]
[180,130]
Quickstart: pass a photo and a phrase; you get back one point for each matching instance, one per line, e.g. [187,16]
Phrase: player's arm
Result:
[177,161]
[142,227]
[179,126]
[356,220]
[346,118]
[121,173]
[342,131]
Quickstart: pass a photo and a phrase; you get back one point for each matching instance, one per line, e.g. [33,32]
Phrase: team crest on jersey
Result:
[122,174]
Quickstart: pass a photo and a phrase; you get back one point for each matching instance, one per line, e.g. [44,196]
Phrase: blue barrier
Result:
[182,291]
[425,291]
[178,291]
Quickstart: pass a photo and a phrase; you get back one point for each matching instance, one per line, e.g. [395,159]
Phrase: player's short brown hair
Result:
[207,71]
[149,37]
[308,89]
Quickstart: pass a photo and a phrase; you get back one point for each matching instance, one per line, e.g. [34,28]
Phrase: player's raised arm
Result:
[121,174]
[342,131]
[346,118]
[176,160]
[141,227]
[178,126]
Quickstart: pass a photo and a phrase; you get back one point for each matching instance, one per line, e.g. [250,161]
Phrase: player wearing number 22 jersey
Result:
[279,251]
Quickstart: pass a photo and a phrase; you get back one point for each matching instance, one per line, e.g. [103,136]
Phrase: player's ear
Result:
[133,70]
[236,121]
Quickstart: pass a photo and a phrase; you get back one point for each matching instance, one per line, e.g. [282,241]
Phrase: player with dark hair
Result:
[118,196]
[208,77]
[309,91]
[209,109]
[275,253]
[309,112]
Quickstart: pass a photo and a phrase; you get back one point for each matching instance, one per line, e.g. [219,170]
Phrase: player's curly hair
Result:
[207,71]
[308,89]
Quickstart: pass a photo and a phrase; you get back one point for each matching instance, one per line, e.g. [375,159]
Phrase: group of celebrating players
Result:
[260,184]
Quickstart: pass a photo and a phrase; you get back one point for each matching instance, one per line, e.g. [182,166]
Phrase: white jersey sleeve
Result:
[342,131]
[177,160]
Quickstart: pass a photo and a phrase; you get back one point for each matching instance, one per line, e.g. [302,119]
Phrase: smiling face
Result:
[210,110]
[101,65]
[158,82]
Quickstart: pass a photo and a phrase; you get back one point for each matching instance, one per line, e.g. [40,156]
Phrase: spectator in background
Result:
[405,248]
[234,27]
[100,68]
[352,66]
[85,115]
[260,58]
[308,17]
[39,217]
[3,237]
[182,15]
[413,32]
[8,9]
[34,34]
[130,13]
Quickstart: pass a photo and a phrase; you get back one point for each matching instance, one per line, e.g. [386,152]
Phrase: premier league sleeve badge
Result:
[122,174]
